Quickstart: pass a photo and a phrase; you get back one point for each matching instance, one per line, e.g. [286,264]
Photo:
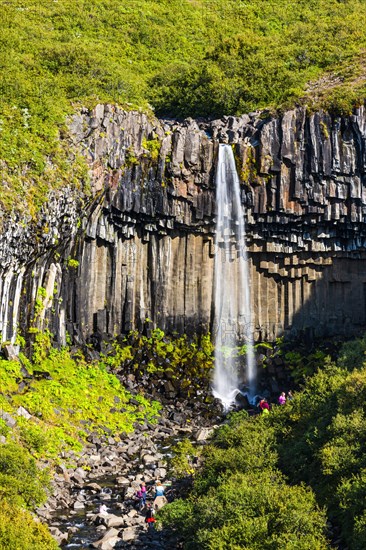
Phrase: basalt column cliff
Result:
[143,246]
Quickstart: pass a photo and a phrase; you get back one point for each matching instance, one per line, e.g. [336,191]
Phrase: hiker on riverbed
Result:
[160,499]
[141,495]
[149,518]
[103,510]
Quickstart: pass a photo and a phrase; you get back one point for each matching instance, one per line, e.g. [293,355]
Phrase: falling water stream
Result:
[233,322]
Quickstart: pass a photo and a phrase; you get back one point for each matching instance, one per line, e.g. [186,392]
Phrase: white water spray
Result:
[233,321]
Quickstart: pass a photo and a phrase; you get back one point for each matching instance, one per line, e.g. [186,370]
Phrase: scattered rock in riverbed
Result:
[203,434]
[122,465]
[108,541]
[60,538]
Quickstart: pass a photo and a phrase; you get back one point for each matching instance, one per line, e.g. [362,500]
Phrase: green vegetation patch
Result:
[18,530]
[291,479]
[242,500]
[322,441]
[183,58]
[69,399]
[186,362]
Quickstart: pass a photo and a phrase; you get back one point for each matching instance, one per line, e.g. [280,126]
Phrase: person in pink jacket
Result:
[282,398]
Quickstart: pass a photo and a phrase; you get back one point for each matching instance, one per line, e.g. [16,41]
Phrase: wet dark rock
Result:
[60,538]
[41,375]
[242,401]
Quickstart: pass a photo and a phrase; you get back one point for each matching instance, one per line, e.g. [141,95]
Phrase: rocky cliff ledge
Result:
[144,246]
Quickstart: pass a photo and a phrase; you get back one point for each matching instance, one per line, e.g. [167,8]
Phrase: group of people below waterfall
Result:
[265,407]
[159,500]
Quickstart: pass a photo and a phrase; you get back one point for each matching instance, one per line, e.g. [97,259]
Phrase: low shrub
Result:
[20,531]
[21,482]
[274,481]
[241,500]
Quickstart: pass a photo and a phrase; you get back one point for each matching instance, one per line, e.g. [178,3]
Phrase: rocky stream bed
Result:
[109,473]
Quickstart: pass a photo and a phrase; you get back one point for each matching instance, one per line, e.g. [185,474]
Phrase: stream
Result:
[83,532]
[73,512]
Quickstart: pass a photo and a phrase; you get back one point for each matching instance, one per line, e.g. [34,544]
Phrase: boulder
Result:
[60,538]
[93,487]
[170,390]
[108,541]
[123,481]
[149,459]
[160,473]
[242,401]
[12,352]
[77,479]
[130,492]
[21,411]
[114,521]
[8,419]
[129,534]
[203,434]
[159,502]
[81,473]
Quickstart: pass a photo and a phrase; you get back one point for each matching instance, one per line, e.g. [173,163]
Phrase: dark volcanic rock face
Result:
[146,247]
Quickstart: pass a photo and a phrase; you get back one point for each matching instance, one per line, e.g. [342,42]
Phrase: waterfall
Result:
[233,322]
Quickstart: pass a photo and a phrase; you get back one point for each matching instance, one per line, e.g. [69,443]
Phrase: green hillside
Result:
[181,57]
[295,479]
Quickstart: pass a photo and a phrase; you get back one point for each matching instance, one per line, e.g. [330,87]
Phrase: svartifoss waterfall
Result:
[233,322]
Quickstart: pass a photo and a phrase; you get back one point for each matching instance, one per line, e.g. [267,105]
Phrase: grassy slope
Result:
[184,57]
[74,400]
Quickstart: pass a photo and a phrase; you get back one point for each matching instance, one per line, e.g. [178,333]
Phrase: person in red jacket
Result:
[264,405]
[149,518]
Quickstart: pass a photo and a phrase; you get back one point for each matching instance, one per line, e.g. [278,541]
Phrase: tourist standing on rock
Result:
[159,500]
[103,510]
[141,495]
[149,519]
[282,399]
[289,395]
